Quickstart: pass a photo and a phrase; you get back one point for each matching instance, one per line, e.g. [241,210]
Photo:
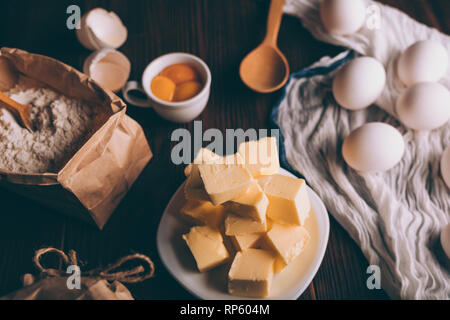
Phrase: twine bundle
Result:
[134,275]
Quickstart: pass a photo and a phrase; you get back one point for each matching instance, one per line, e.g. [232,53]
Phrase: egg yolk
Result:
[177,82]
[187,90]
[163,88]
[180,73]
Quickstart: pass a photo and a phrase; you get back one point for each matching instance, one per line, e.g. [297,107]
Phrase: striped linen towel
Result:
[395,216]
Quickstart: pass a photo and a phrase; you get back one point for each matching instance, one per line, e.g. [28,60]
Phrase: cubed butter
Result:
[288,199]
[246,241]
[261,157]
[236,225]
[207,247]
[203,213]
[224,182]
[279,265]
[287,241]
[204,155]
[194,188]
[252,204]
[263,180]
[251,274]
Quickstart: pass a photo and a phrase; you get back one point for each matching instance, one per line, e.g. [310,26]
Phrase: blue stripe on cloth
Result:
[305,73]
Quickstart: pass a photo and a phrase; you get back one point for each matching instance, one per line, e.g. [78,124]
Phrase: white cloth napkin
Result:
[395,216]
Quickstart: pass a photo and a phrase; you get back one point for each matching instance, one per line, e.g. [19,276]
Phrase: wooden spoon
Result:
[265,69]
[17,108]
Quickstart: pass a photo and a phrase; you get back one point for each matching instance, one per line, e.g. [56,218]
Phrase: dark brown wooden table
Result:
[221,33]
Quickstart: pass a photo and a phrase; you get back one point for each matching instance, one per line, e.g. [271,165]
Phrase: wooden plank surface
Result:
[221,33]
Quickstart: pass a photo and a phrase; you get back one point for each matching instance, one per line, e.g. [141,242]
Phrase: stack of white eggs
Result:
[424,104]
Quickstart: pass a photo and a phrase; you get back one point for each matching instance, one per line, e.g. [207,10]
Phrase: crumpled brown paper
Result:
[98,176]
[103,284]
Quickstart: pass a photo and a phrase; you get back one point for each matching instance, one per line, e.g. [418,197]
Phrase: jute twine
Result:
[111,273]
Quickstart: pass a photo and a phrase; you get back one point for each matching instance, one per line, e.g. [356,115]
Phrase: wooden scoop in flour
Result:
[17,108]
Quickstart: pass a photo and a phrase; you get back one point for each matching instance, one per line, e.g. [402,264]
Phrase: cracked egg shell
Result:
[101,29]
[109,68]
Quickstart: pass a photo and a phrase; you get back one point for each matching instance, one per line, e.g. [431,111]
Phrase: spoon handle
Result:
[274,21]
[23,111]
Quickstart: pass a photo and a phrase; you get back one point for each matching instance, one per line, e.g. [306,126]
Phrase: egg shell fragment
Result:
[424,106]
[373,147]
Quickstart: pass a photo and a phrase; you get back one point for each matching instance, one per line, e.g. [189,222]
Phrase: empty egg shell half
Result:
[373,147]
[109,68]
[101,29]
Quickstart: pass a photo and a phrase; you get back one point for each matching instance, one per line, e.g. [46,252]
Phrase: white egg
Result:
[445,240]
[359,83]
[342,17]
[373,147]
[445,166]
[424,61]
[424,106]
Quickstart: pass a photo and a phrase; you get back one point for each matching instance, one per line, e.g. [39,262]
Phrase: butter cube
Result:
[263,180]
[236,225]
[246,241]
[207,247]
[194,188]
[261,157]
[287,241]
[251,274]
[252,204]
[288,199]
[224,182]
[279,265]
[203,213]
[204,155]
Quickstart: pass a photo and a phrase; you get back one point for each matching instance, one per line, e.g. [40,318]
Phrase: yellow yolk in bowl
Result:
[180,73]
[163,88]
[178,82]
[187,90]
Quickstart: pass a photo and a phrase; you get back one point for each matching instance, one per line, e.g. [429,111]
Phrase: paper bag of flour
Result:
[96,178]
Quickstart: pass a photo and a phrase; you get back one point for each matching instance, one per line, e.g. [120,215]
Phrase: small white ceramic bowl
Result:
[182,111]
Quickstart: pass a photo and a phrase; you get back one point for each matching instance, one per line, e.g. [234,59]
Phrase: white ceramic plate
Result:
[212,285]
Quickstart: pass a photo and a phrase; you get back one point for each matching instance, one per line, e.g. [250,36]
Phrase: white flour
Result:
[61,126]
